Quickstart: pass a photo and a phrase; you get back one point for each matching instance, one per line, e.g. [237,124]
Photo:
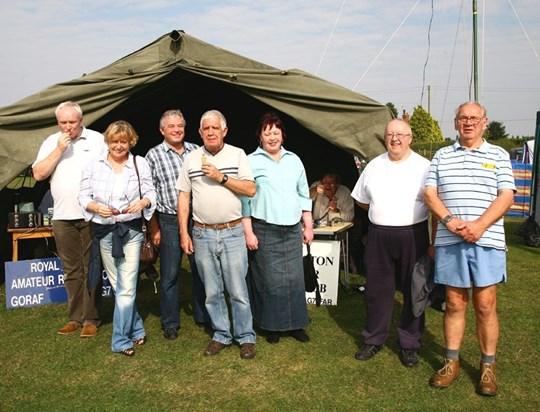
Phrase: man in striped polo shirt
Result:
[469,188]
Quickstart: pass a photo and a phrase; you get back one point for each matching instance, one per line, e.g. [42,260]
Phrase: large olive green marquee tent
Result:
[179,71]
[326,124]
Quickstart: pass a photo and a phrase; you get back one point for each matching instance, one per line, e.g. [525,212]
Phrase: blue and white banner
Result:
[40,282]
[34,282]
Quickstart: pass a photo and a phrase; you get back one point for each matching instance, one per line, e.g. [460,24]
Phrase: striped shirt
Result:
[468,182]
[166,164]
[214,203]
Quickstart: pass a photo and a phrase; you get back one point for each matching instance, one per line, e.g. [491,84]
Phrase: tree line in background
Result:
[428,137]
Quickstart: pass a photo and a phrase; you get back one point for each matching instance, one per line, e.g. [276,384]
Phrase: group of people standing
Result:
[234,214]
[212,199]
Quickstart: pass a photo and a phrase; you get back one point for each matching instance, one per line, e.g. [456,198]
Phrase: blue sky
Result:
[352,43]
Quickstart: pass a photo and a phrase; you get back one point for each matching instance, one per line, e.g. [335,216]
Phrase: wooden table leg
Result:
[15,247]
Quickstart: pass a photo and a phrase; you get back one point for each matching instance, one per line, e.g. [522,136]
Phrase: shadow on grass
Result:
[350,316]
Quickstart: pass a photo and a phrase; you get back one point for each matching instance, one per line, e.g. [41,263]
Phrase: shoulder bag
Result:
[149,251]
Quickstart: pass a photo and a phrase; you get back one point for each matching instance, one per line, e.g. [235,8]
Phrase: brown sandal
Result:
[141,341]
[128,352]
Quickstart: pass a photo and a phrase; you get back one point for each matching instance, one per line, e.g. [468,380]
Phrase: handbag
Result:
[149,251]
[310,276]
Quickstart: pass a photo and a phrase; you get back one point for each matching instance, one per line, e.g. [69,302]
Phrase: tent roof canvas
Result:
[180,71]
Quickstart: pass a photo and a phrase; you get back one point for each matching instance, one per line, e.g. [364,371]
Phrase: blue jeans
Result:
[221,257]
[123,274]
[170,263]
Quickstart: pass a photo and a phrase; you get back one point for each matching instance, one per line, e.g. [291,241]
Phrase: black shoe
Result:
[272,337]
[300,335]
[368,351]
[408,357]
[204,324]
[170,333]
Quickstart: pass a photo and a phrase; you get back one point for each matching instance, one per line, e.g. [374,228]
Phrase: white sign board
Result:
[326,261]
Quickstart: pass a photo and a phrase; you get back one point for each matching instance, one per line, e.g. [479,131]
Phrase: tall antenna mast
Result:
[475,51]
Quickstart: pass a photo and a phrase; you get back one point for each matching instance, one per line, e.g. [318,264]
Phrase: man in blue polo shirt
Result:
[469,188]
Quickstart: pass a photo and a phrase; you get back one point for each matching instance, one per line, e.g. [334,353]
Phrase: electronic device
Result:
[24,220]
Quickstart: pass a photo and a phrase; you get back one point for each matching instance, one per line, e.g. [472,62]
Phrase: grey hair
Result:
[168,113]
[214,113]
[484,111]
[70,104]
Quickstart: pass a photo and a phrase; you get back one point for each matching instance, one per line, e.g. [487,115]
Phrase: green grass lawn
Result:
[42,371]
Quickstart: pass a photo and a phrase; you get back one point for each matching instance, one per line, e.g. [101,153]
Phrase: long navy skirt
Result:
[276,279]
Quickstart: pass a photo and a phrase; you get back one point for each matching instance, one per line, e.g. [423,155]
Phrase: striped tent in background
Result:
[522,198]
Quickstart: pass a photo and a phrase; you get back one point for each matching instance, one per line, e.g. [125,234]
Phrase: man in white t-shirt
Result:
[62,156]
[391,189]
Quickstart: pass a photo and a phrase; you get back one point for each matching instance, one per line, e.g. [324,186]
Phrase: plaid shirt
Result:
[98,185]
[165,164]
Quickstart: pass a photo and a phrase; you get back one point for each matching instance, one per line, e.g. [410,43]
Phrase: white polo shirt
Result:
[66,177]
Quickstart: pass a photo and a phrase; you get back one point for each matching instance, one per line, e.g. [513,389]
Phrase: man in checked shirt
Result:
[166,160]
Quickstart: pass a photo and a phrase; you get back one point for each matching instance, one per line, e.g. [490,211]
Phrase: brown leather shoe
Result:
[446,375]
[213,348]
[247,351]
[88,331]
[488,384]
[68,329]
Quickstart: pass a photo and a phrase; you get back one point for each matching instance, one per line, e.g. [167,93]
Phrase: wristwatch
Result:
[224,179]
[447,219]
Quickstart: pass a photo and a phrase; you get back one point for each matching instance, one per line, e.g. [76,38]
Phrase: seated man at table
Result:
[331,198]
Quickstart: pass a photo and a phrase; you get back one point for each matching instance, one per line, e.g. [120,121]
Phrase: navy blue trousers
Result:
[390,255]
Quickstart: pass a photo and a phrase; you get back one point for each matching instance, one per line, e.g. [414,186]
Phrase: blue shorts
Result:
[465,264]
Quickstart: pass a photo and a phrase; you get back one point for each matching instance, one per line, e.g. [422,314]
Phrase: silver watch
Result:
[447,219]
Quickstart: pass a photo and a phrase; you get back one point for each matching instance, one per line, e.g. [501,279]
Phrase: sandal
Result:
[128,352]
[141,341]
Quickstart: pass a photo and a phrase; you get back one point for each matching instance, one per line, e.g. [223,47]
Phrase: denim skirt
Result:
[276,278]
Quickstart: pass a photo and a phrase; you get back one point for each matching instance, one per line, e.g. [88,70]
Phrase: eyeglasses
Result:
[399,136]
[470,119]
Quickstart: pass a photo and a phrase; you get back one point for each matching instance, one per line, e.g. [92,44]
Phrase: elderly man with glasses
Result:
[469,188]
[391,189]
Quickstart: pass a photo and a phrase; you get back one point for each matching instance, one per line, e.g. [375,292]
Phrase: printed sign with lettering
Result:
[40,282]
[106,288]
[326,261]
[34,282]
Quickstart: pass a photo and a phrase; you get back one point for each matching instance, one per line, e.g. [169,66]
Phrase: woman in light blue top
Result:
[274,234]
[109,196]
